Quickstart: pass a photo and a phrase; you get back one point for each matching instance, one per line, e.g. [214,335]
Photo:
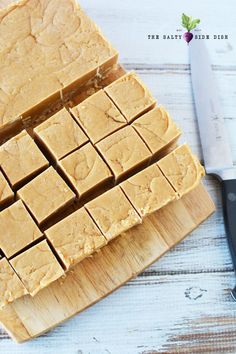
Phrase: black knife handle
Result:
[229,208]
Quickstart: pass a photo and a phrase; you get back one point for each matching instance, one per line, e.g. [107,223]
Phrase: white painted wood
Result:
[164,310]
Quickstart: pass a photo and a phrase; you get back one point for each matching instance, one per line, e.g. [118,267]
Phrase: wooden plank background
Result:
[182,303]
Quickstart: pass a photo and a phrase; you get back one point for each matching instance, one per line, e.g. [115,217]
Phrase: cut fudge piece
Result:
[6,194]
[124,151]
[60,134]
[37,267]
[46,47]
[182,169]
[131,96]
[148,190]
[46,195]
[75,237]
[113,213]
[21,159]
[157,129]
[98,116]
[11,287]
[18,229]
[85,169]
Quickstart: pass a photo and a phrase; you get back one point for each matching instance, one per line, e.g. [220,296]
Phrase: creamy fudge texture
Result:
[75,237]
[37,267]
[46,194]
[21,159]
[46,47]
[131,96]
[6,194]
[113,213]
[11,288]
[85,169]
[60,134]
[18,229]
[182,169]
[98,116]
[157,129]
[148,190]
[124,151]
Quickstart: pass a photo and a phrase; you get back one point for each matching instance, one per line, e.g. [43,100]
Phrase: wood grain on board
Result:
[115,264]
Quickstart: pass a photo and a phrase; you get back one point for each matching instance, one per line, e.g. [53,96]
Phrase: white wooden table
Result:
[182,303]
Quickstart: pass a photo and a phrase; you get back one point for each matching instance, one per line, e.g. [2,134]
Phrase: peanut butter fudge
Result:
[131,96]
[113,213]
[21,159]
[148,190]
[6,194]
[75,237]
[46,47]
[98,116]
[86,169]
[182,169]
[124,151]
[18,229]
[46,195]
[37,267]
[60,134]
[11,287]
[157,129]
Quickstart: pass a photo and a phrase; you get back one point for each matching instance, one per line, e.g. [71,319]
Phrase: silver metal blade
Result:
[214,139]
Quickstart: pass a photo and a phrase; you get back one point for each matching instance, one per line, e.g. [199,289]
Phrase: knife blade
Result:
[213,135]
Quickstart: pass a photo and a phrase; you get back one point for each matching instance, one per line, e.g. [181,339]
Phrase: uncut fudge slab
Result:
[11,287]
[157,129]
[46,47]
[37,267]
[46,195]
[148,190]
[6,193]
[60,134]
[86,170]
[18,229]
[182,169]
[21,159]
[98,116]
[113,213]
[131,96]
[75,237]
[124,151]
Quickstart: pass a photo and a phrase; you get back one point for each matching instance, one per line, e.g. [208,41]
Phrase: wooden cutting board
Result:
[115,264]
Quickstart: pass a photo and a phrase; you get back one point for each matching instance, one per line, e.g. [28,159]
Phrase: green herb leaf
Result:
[189,23]
[194,23]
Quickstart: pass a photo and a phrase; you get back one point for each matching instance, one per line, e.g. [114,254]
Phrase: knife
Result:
[215,143]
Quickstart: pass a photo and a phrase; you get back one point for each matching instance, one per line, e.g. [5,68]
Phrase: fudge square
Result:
[157,129]
[46,195]
[86,170]
[21,159]
[75,237]
[60,134]
[6,193]
[182,169]
[51,46]
[18,229]
[98,116]
[148,190]
[131,96]
[37,267]
[113,213]
[11,287]
[124,151]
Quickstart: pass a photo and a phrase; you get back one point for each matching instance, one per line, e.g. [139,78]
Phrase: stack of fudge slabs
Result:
[113,137]
[51,42]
